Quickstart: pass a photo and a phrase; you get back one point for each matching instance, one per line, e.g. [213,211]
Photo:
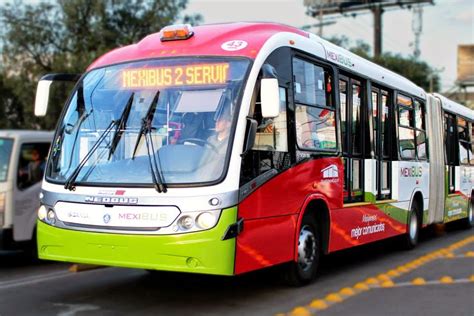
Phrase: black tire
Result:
[305,269]
[468,222]
[410,239]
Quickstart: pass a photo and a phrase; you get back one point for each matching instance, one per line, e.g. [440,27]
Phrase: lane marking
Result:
[73,309]
[32,280]
[384,280]
[35,279]
[418,281]
[433,282]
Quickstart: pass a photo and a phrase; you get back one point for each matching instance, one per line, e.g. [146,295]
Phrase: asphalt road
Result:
[436,278]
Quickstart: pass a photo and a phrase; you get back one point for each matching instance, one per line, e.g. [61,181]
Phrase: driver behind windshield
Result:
[222,131]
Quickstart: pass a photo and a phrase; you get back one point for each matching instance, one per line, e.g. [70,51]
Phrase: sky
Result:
[446,24]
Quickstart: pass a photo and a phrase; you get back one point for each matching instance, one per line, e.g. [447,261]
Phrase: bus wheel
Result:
[468,222]
[303,271]
[410,239]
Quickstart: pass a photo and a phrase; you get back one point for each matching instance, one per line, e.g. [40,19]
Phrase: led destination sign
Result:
[199,74]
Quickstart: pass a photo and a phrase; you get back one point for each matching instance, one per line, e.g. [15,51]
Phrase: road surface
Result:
[436,278]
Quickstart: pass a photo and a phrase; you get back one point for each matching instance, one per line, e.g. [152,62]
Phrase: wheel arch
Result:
[316,206]
[417,199]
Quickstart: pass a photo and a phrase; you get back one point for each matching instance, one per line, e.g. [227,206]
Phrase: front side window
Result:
[175,115]
[6,145]
[32,164]
[272,134]
[315,115]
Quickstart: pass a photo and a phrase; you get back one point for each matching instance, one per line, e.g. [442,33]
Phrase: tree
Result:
[66,36]
[11,111]
[417,71]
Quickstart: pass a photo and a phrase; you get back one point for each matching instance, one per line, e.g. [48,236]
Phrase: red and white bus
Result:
[223,149]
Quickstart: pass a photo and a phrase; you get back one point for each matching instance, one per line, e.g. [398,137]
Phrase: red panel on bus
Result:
[271,212]
[232,39]
[353,226]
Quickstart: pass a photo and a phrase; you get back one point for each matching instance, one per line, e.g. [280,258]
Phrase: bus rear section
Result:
[23,157]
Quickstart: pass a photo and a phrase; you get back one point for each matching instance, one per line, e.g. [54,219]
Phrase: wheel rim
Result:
[306,248]
[413,226]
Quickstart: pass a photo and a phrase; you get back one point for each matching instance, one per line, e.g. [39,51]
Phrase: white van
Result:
[22,164]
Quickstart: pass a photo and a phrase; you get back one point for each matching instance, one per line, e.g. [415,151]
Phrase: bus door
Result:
[351,99]
[451,143]
[382,120]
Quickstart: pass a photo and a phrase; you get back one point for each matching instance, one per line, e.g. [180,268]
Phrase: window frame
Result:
[412,125]
[45,162]
[383,193]
[335,108]
[467,141]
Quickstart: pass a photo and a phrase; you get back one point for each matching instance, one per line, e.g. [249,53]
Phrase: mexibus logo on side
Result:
[411,172]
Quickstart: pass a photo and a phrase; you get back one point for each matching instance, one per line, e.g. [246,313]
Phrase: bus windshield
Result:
[174,115]
[6,145]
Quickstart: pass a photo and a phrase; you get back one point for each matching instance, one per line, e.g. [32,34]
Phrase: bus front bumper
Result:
[198,252]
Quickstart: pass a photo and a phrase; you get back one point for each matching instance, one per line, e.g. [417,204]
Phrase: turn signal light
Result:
[176,32]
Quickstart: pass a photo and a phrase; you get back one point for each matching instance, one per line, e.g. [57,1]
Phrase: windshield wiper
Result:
[145,130]
[121,125]
[155,175]
[69,185]
[146,121]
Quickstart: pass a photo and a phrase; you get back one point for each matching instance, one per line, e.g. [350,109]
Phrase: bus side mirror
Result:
[43,89]
[270,97]
[250,134]
[42,97]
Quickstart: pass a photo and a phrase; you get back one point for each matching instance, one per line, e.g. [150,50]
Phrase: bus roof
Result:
[207,40]
[210,40]
[454,107]
[357,64]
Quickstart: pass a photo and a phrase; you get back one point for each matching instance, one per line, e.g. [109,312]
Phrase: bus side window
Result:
[314,109]
[406,128]
[420,125]
[464,143]
[272,134]
[31,164]
[270,150]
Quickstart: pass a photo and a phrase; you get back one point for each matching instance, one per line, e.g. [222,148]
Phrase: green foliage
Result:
[66,36]
[417,71]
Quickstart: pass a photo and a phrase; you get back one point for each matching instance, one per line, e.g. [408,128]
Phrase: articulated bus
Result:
[223,149]
[22,162]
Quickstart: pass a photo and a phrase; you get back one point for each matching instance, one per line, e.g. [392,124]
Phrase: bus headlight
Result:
[42,213]
[46,215]
[51,217]
[206,220]
[186,222]
[196,221]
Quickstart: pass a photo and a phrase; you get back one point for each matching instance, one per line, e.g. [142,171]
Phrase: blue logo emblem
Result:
[106,218]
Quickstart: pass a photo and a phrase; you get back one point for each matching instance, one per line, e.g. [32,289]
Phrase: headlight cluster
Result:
[185,223]
[196,221]
[46,215]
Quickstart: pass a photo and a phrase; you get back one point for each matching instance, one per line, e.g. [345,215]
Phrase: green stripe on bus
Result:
[198,252]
